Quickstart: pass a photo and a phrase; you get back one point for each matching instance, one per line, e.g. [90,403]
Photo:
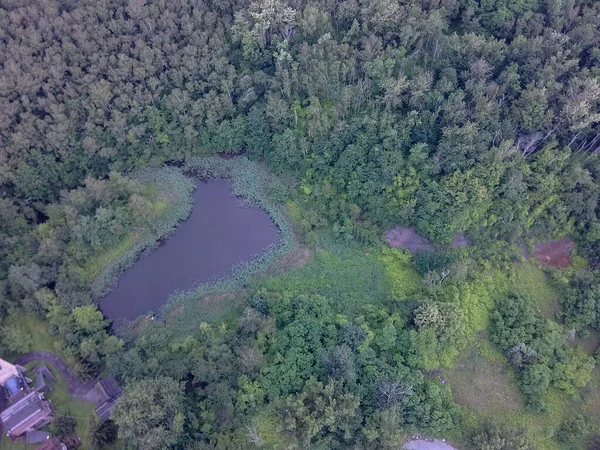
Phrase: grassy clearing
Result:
[531,280]
[346,273]
[484,385]
[216,308]
[591,344]
[404,280]
[486,390]
[65,404]
[542,427]
[97,263]
[350,276]
[591,394]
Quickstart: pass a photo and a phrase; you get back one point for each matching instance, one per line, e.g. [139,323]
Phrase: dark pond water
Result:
[218,234]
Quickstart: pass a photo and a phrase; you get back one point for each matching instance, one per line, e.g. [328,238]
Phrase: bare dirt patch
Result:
[298,257]
[217,298]
[176,311]
[483,385]
[294,259]
[406,237]
[139,324]
[556,253]
[461,240]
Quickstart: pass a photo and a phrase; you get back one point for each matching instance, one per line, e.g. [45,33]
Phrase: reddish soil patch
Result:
[294,259]
[554,253]
[298,257]
[406,237]
[215,298]
[141,322]
[177,311]
[460,240]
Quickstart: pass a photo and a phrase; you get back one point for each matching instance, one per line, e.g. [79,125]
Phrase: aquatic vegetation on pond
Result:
[250,182]
[173,188]
[218,234]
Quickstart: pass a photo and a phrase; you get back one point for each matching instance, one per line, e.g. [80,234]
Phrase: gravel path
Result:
[80,389]
[422,444]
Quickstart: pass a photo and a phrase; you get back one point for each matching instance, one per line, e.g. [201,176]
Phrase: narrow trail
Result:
[76,388]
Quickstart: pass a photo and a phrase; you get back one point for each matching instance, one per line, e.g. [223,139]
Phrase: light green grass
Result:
[404,280]
[223,308]
[97,263]
[483,383]
[65,404]
[486,390]
[350,276]
[530,279]
[345,273]
[541,427]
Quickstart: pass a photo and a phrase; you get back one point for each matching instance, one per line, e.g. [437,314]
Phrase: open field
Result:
[483,383]
[531,280]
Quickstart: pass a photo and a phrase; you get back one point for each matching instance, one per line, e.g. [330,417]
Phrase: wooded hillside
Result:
[451,116]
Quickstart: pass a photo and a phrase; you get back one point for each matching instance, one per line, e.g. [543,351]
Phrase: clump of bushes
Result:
[537,349]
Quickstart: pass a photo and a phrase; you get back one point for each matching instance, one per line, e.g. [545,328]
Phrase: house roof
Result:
[35,437]
[7,370]
[52,444]
[43,377]
[109,388]
[103,411]
[43,371]
[111,392]
[26,414]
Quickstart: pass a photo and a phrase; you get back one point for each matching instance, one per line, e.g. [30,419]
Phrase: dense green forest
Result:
[450,116]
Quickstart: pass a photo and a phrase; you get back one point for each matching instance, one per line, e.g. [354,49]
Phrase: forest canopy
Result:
[451,116]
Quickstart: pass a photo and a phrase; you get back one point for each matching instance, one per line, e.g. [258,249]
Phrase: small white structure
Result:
[8,370]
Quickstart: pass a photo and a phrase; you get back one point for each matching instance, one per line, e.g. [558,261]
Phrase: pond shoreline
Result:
[176,190]
[218,234]
[248,181]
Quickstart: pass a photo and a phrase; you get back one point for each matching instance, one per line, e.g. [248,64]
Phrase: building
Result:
[31,412]
[110,392]
[52,444]
[27,409]
[8,371]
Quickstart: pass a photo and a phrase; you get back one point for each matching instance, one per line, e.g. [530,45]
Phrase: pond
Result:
[219,234]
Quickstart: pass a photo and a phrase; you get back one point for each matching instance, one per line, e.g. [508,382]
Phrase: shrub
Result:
[15,339]
[574,429]
[63,424]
